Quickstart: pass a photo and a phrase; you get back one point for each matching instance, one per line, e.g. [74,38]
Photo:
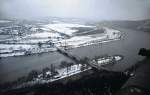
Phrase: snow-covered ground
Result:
[7,50]
[4,21]
[65,27]
[78,41]
[52,36]
[43,35]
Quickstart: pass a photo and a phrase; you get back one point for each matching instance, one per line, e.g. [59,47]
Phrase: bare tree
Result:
[39,44]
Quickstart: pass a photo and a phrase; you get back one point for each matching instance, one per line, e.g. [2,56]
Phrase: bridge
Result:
[77,60]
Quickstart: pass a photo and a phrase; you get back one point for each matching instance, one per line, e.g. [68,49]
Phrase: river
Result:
[13,67]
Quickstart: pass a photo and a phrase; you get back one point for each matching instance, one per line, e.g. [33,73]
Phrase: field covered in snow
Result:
[4,21]
[65,28]
[46,37]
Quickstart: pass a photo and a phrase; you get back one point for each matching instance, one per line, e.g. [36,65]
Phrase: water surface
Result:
[13,67]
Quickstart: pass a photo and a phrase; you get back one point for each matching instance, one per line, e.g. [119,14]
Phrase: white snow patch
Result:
[5,21]
[65,28]
[15,46]
[44,35]
[33,41]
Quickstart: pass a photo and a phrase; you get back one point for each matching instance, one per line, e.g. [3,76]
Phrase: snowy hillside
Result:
[26,39]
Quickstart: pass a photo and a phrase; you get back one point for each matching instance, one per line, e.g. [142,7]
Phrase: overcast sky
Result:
[92,9]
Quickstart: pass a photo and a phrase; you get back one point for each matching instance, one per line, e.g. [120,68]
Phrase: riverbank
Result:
[103,83]
[11,68]
[54,35]
[65,72]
